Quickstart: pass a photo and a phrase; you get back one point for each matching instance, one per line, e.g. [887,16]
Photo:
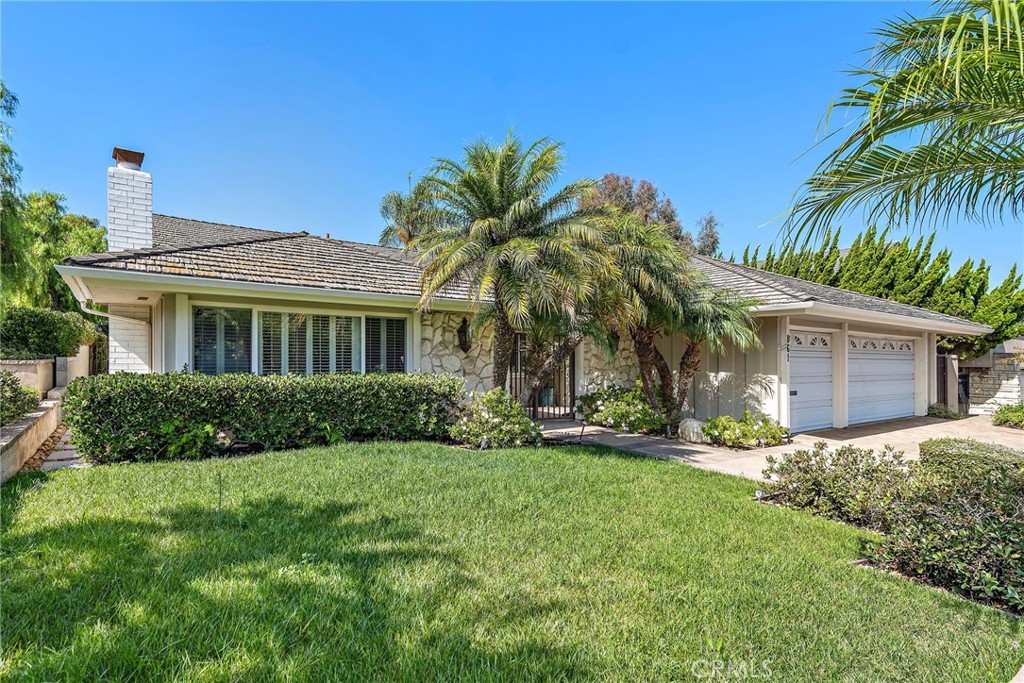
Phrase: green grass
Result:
[423,562]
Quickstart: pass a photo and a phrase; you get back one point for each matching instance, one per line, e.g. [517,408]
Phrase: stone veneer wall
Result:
[440,352]
[601,370]
[996,386]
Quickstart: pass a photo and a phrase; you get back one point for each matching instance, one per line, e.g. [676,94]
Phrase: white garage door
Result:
[881,379]
[810,381]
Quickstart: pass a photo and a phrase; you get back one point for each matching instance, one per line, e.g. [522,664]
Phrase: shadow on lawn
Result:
[264,589]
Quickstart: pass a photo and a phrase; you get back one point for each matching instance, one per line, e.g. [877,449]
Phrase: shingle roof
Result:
[230,252]
[771,288]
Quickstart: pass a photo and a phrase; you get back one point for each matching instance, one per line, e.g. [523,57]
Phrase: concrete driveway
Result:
[904,435]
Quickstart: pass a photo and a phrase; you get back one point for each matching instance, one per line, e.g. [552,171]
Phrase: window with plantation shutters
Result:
[271,346]
[385,345]
[348,345]
[299,343]
[320,336]
[221,340]
[297,325]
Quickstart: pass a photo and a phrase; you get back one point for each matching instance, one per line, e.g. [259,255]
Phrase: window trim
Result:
[410,318]
[193,305]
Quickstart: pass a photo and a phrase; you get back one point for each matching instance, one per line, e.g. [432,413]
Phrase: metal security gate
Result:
[557,395]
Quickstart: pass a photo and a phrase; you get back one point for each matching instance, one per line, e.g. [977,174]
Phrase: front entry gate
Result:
[556,397]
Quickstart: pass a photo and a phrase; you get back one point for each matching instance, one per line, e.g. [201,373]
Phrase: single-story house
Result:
[222,298]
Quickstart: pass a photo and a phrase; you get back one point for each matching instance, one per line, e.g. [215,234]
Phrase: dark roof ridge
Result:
[104,257]
[229,225]
[761,277]
[756,274]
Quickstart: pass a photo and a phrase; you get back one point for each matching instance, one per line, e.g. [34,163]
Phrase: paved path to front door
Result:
[904,435]
[63,455]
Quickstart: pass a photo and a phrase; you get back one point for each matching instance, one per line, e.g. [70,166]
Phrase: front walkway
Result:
[905,435]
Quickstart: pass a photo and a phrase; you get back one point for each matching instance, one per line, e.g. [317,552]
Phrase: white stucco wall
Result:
[130,344]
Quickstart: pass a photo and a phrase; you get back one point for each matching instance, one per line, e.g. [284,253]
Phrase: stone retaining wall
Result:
[22,438]
[995,386]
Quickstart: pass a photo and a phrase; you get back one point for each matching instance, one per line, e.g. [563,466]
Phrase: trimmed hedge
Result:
[15,400]
[132,417]
[34,333]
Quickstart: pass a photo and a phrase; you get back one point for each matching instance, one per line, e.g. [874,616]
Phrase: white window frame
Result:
[257,330]
[383,338]
[194,304]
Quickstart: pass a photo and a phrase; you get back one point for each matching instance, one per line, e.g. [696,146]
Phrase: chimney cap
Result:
[127,157]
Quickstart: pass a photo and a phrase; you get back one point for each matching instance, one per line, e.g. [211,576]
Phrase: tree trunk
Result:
[504,341]
[689,364]
[540,364]
[643,344]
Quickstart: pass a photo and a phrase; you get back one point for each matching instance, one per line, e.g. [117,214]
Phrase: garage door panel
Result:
[810,382]
[881,380]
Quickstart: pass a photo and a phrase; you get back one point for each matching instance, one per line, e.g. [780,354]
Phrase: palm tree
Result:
[405,215]
[657,293]
[520,247]
[940,133]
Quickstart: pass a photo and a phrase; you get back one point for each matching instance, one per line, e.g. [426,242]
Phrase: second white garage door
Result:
[881,379]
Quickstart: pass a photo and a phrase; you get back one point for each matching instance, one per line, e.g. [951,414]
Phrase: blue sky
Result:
[301,116]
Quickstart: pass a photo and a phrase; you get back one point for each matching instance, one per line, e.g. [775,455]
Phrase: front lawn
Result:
[420,561]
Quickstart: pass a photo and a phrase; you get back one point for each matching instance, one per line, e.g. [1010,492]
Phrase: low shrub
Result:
[954,519]
[748,432]
[966,461]
[849,484]
[943,411]
[625,410]
[495,419]
[962,526]
[126,416]
[15,400]
[33,333]
[1009,416]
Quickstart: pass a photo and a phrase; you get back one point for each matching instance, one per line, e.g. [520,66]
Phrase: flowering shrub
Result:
[495,420]
[749,432]
[625,410]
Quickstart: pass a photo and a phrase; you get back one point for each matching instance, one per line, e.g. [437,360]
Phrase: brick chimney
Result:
[129,202]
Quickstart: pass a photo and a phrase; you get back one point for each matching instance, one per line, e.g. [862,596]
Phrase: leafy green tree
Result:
[500,228]
[708,235]
[940,109]
[641,199]
[54,234]
[910,274]
[13,238]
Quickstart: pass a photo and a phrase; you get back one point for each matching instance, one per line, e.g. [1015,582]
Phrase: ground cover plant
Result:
[387,561]
[750,431]
[955,518]
[1010,416]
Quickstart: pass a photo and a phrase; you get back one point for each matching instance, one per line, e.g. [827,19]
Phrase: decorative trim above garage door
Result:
[806,340]
[882,344]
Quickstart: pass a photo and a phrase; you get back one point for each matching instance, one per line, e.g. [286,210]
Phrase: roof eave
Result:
[962,327]
[79,278]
